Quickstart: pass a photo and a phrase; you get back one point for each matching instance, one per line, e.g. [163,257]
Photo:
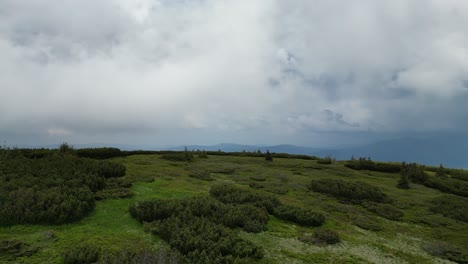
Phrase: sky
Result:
[170,72]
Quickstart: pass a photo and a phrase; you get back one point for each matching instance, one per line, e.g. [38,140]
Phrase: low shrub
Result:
[257,178]
[299,215]
[451,206]
[445,250]
[325,161]
[202,155]
[201,228]
[142,256]
[367,164]
[176,157]
[12,249]
[414,172]
[229,194]
[325,237]
[201,175]
[367,223]
[81,254]
[348,191]
[256,185]
[277,189]
[385,210]
[99,153]
[448,185]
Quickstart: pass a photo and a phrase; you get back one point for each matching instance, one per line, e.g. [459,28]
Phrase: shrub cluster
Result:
[99,153]
[414,172]
[81,254]
[201,175]
[302,216]
[451,206]
[321,237]
[325,161]
[385,210]
[355,192]
[230,194]
[201,228]
[367,164]
[367,223]
[448,185]
[445,250]
[51,190]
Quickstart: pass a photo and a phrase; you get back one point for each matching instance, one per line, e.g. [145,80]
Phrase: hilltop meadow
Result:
[105,205]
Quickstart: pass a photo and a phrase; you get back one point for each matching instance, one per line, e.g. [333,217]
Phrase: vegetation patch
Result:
[445,250]
[451,206]
[356,192]
[201,174]
[201,228]
[257,178]
[325,161]
[81,254]
[52,190]
[367,164]
[300,215]
[448,185]
[16,248]
[321,237]
[367,223]
[385,210]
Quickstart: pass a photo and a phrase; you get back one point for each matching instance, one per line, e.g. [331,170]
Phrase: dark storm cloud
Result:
[231,70]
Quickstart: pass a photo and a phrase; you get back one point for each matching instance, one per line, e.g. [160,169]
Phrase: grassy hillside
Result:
[366,236]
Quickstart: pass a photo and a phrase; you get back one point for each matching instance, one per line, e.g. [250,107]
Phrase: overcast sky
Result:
[172,72]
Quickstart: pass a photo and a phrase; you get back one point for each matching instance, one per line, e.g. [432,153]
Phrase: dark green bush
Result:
[51,190]
[200,228]
[403,182]
[99,153]
[299,215]
[414,172]
[256,185]
[201,175]
[142,256]
[13,249]
[367,164]
[176,157]
[459,174]
[451,206]
[385,210]
[202,155]
[367,223]
[278,189]
[448,185]
[325,237]
[349,191]
[81,254]
[257,178]
[445,250]
[230,194]
[325,161]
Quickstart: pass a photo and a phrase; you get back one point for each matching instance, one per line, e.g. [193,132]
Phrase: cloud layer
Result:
[221,71]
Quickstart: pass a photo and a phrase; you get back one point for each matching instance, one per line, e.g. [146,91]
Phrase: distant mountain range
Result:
[449,150]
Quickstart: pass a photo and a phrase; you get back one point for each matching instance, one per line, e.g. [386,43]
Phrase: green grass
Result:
[111,227]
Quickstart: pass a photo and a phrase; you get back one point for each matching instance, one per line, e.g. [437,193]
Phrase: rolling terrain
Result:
[415,234]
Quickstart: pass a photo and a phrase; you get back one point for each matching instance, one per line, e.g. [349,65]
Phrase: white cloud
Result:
[281,67]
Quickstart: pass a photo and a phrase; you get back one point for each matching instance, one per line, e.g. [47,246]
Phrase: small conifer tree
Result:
[268,156]
[403,183]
